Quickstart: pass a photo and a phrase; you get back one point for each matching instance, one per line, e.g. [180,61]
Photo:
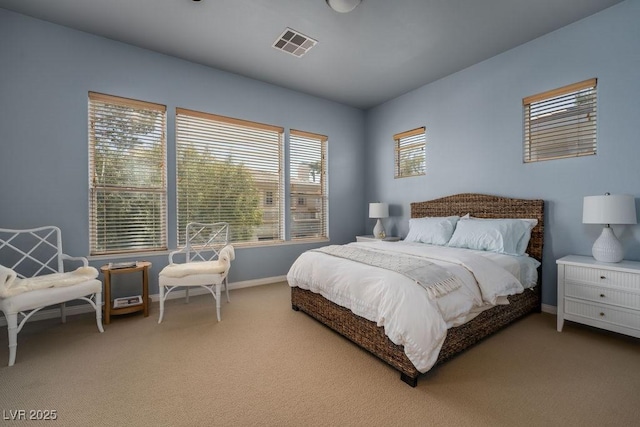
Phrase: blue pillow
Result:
[508,236]
[431,230]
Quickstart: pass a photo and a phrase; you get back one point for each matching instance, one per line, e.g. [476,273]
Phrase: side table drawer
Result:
[598,276]
[603,313]
[603,295]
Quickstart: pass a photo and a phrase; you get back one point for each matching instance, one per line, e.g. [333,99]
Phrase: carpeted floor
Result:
[265,364]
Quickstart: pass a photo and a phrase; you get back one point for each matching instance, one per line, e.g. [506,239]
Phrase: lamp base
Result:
[378,230]
[608,248]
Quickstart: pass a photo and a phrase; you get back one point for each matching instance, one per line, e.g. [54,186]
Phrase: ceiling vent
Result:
[294,43]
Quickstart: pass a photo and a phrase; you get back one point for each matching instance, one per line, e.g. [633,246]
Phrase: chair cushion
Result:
[198,267]
[43,297]
[11,285]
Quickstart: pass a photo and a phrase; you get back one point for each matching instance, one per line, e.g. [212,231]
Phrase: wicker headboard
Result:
[485,206]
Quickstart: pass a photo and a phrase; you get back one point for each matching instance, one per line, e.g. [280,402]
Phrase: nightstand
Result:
[603,295]
[371,238]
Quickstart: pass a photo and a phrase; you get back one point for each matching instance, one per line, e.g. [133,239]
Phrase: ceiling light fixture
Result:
[343,6]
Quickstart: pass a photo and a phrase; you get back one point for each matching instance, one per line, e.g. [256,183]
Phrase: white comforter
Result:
[409,317]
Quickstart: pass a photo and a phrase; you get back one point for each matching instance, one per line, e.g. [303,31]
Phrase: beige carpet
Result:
[265,364]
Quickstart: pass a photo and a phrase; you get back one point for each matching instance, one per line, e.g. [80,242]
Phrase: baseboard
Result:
[71,310]
[53,313]
[180,293]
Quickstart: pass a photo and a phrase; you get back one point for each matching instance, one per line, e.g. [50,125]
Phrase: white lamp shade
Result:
[378,210]
[609,209]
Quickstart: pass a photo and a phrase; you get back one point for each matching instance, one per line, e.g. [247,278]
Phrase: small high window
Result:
[561,123]
[410,156]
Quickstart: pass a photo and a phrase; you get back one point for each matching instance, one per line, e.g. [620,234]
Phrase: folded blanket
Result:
[436,280]
[222,265]
[11,285]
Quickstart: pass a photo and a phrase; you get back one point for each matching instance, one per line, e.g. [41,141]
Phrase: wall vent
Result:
[294,43]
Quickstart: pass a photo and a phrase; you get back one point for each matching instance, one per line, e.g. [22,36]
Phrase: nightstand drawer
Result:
[604,295]
[603,313]
[596,276]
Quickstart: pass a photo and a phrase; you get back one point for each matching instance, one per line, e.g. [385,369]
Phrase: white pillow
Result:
[432,230]
[509,236]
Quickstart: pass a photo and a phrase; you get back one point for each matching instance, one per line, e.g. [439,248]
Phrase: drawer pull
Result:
[601,314]
[602,277]
[601,295]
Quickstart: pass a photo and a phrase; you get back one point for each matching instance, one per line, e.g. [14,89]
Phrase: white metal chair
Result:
[208,259]
[32,277]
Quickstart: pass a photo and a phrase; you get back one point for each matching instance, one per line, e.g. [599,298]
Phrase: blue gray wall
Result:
[46,72]
[474,133]
[473,120]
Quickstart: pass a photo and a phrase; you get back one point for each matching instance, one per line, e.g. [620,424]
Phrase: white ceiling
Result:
[380,50]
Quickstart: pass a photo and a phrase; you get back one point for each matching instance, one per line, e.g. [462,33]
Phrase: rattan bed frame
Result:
[372,338]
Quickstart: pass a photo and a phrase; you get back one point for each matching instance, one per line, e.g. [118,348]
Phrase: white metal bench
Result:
[37,252]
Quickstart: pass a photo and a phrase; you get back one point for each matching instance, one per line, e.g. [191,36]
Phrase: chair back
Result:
[32,252]
[204,241]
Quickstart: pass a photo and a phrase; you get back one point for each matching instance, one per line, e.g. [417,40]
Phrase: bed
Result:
[368,335]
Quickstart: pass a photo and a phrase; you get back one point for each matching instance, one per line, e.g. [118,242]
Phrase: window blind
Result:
[409,153]
[561,123]
[308,185]
[127,175]
[230,170]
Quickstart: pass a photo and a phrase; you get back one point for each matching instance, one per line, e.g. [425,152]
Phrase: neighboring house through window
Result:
[561,123]
[127,175]
[308,185]
[409,153]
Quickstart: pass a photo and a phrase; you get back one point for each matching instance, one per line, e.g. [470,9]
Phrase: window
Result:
[561,123]
[127,175]
[268,198]
[224,167]
[410,158]
[308,185]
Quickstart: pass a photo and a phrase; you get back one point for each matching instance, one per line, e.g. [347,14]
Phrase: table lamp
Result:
[378,210]
[609,209]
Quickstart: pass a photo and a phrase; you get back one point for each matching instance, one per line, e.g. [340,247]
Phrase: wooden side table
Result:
[142,266]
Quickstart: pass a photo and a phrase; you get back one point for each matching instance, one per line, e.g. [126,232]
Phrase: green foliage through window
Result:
[229,170]
[127,146]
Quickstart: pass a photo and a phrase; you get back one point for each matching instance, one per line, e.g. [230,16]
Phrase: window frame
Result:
[555,126]
[242,127]
[97,103]
[297,191]
[406,144]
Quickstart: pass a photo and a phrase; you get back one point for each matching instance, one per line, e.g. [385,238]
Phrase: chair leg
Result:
[99,311]
[161,304]
[187,294]
[226,288]
[218,287]
[12,327]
